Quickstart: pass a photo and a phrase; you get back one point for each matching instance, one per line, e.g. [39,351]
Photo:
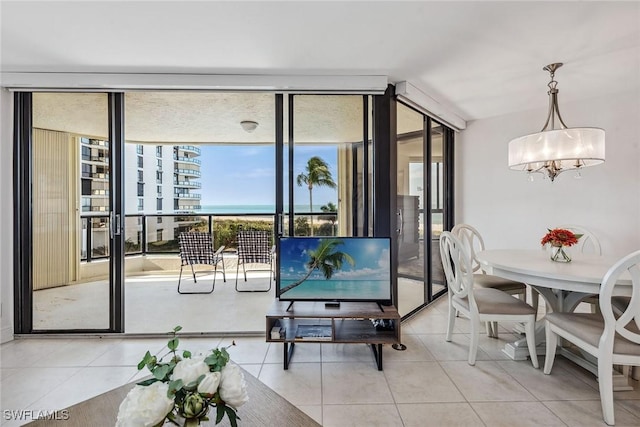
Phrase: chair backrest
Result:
[457,266]
[472,240]
[613,321]
[254,247]
[196,248]
[587,243]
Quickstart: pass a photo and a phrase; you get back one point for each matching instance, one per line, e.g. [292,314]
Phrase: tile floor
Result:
[429,384]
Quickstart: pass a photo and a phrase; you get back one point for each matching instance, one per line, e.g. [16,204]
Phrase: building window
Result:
[140,176]
[141,189]
[86,187]
[159,162]
[140,204]
[86,171]
[159,204]
[159,177]
[159,220]
[86,153]
[159,190]
[140,162]
[139,149]
[86,204]
[159,234]
[159,151]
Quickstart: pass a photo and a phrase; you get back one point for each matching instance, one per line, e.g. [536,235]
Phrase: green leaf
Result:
[186,354]
[175,386]
[233,417]
[145,360]
[161,372]
[173,343]
[177,329]
[147,382]
[219,413]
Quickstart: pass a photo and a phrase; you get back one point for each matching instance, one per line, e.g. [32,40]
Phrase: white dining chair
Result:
[473,242]
[609,337]
[480,304]
[587,243]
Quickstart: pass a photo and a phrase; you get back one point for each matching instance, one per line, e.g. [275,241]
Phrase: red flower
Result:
[560,237]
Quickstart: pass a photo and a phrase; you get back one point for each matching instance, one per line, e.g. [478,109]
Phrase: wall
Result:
[6,215]
[512,212]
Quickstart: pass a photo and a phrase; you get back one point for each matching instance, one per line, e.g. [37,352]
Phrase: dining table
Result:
[562,285]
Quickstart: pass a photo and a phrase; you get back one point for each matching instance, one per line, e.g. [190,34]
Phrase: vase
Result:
[559,254]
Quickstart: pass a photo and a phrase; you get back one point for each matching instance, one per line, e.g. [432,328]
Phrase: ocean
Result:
[242,209]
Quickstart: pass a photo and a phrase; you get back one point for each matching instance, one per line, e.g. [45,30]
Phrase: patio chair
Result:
[611,337]
[196,248]
[255,247]
[480,304]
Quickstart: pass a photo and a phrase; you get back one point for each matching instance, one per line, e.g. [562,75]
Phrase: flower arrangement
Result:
[184,388]
[557,239]
[560,237]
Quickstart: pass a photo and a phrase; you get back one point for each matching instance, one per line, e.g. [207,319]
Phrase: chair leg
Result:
[535,299]
[194,274]
[605,383]
[451,321]
[552,343]
[473,347]
[530,332]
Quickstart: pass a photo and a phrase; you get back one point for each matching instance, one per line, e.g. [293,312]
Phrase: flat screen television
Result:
[334,269]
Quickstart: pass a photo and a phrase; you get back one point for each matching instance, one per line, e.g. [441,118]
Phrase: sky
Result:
[245,175]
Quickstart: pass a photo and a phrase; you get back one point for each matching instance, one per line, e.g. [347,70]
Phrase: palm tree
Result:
[330,208]
[324,258]
[317,174]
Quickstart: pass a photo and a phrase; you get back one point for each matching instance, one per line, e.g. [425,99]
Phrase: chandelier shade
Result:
[553,151]
[570,148]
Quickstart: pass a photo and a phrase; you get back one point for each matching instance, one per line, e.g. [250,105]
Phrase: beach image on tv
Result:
[336,268]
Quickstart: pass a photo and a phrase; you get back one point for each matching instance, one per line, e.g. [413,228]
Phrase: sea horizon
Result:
[246,208]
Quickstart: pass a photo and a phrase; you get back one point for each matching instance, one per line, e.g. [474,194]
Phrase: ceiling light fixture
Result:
[553,151]
[249,125]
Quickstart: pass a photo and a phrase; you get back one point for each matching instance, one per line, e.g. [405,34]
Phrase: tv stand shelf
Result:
[351,323]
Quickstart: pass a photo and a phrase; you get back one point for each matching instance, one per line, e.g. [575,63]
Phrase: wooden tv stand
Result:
[351,323]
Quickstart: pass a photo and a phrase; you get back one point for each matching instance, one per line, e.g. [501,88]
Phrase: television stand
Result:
[381,309]
[350,323]
[332,304]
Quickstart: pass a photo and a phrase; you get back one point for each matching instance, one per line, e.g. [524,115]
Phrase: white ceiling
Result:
[479,59]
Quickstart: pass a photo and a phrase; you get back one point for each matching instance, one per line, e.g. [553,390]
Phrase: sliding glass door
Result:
[422,210]
[72,212]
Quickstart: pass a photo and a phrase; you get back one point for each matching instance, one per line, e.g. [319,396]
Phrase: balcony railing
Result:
[188,184]
[141,231]
[189,172]
[187,196]
[189,148]
[187,160]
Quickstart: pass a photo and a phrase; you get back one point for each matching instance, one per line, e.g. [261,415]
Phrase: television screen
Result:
[334,269]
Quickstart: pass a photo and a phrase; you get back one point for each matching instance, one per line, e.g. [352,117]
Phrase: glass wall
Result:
[421,207]
[70,211]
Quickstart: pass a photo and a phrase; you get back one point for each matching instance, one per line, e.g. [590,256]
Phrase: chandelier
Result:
[553,151]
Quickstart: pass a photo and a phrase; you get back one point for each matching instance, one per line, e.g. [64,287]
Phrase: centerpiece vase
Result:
[559,254]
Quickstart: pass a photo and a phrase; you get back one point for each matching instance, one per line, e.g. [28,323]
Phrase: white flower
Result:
[209,383]
[188,370]
[145,406]
[233,389]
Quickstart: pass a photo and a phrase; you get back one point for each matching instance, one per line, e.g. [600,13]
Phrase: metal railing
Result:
[158,233]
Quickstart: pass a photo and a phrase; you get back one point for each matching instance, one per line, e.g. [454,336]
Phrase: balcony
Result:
[189,149]
[188,160]
[188,196]
[187,184]
[187,172]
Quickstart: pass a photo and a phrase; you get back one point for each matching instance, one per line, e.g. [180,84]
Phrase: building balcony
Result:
[187,184]
[189,149]
[187,172]
[187,196]
[189,160]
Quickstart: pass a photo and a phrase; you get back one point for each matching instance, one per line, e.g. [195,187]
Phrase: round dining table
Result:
[562,285]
